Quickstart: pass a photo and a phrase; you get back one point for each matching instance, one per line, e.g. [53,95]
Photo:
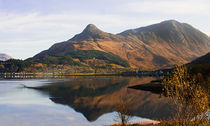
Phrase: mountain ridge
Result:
[156,46]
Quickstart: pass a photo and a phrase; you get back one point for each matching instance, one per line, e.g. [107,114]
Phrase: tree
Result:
[123,113]
[1,67]
[186,94]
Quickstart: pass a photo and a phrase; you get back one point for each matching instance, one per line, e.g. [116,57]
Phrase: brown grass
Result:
[168,123]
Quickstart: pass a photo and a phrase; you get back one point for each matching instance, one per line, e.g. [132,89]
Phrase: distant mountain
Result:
[157,46]
[4,57]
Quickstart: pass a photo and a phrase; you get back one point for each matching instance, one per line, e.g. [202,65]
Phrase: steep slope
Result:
[170,42]
[4,57]
[161,45]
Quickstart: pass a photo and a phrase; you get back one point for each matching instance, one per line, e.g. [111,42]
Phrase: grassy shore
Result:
[168,123]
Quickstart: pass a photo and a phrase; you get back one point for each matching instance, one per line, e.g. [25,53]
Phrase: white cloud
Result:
[179,7]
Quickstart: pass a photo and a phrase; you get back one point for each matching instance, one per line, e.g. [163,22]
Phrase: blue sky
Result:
[30,26]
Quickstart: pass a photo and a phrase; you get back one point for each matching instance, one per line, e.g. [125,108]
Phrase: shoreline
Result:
[24,75]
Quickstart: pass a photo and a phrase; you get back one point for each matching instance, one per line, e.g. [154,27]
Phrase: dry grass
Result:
[169,123]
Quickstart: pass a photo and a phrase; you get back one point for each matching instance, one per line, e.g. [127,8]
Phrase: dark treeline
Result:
[14,65]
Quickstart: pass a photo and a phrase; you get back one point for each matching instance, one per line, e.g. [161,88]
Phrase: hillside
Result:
[157,46]
[201,66]
[202,60]
[4,57]
[83,58]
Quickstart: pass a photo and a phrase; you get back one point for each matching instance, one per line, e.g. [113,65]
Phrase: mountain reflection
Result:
[95,96]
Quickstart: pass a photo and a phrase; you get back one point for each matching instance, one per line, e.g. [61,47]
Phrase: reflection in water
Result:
[95,96]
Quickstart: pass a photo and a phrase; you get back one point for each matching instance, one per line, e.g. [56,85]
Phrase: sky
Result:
[28,27]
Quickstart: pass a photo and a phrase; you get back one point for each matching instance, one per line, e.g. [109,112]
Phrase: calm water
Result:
[76,101]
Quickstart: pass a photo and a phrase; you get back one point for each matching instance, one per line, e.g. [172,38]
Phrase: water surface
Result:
[76,101]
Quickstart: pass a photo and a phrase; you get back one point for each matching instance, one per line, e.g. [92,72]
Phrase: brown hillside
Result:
[161,45]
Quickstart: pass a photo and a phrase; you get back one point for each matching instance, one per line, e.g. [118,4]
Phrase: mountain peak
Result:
[170,21]
[91,28]
[90,32]
[164,26]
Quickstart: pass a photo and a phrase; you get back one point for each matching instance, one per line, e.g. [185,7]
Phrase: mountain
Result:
[202,60]
[4,57]
[201,68]
[157,46]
